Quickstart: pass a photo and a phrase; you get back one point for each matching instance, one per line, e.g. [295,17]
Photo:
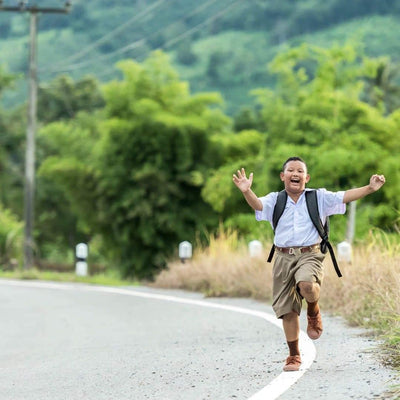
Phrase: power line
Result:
[182,35]
[114,32]
[198,26]
[127,47]
[72,67]
[141,42]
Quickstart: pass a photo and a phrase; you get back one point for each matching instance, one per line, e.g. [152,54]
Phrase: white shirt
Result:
[295,227]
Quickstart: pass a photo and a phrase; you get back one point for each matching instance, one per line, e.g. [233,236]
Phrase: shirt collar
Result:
[300,198]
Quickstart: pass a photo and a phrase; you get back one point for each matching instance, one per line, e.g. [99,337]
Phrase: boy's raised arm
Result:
[244,185]
[375,183]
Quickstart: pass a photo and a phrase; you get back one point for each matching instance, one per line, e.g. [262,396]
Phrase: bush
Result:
[11,236]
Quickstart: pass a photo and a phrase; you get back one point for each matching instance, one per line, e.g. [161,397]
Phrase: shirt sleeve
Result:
[331,202]
[268,203]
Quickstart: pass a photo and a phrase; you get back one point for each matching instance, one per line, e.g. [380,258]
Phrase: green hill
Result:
[245,55]
[222,45]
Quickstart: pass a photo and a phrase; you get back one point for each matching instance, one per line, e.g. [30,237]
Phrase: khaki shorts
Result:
[288,271]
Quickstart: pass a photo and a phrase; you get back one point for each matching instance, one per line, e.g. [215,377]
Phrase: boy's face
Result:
[295,176]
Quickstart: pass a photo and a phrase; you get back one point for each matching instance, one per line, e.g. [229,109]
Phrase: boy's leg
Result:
[291,327]
[310,291]
[309,277]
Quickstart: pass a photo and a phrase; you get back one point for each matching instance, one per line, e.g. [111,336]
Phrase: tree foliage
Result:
[156,153]
[317,112]
[145,164]
[11,230]
[66,182]
[94,35]
[12,128]
[10,178]
[63,98]
[150,159]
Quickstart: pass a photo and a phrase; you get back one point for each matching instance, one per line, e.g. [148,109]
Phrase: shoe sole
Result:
[291,369]
[314,335]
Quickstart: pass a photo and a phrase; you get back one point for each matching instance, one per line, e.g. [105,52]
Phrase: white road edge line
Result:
[270,392]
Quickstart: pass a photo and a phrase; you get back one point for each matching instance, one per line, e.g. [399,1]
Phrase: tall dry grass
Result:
[367,295]
[223,268]
[369,292]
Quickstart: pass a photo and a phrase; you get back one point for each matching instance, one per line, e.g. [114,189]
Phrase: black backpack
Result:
[312,207]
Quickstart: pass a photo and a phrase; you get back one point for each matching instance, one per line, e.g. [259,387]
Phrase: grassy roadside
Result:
[106,279]
[367,295]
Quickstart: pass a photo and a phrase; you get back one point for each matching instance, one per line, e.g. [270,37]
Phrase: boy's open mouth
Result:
[295,180]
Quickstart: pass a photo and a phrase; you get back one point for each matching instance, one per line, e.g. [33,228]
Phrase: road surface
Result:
[71,341]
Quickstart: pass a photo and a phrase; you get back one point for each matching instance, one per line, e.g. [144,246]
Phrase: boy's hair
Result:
[292,159]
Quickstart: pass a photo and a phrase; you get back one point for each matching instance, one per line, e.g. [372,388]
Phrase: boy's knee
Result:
[308,288]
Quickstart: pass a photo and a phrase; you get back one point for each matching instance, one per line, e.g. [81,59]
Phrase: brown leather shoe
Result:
[314,327]
[292,363]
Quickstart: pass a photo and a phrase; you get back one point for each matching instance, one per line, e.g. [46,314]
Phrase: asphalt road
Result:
[71,342]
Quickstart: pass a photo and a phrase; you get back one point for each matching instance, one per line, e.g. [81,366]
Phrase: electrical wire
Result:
[171,42]
[122,50]
[127,47]
[141,42]
[180,37]
[113,71]
[114,32]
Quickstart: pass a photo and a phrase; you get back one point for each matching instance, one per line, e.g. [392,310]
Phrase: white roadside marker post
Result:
[81,252]
[255,248]
[185,251]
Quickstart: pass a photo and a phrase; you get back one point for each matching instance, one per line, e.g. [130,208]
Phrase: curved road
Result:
[66,341]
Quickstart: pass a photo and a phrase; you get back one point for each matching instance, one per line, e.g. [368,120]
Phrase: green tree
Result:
[383,89]
[235,148]
[10,179]
[134,173]
[12,128]
[155,157]
[65,178]
[63,98]
[11,229]
[66,183]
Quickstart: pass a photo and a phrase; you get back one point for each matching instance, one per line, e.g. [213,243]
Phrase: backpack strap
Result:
[323,231]
[278,211]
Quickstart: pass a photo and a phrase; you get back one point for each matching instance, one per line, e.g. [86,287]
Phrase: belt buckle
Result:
[292,251]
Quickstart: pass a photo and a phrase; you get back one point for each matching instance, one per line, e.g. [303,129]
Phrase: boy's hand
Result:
[376,182]
[241,181]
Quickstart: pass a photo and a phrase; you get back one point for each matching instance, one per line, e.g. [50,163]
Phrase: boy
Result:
[298,269]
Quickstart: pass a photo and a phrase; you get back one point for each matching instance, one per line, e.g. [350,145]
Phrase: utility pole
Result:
[29,184]
[351,222]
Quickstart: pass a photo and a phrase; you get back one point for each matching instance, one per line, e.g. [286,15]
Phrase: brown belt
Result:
[297,250]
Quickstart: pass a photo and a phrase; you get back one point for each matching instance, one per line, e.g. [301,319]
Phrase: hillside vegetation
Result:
[221,45]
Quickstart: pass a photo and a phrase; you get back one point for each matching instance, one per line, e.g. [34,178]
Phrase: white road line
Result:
[270,392]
